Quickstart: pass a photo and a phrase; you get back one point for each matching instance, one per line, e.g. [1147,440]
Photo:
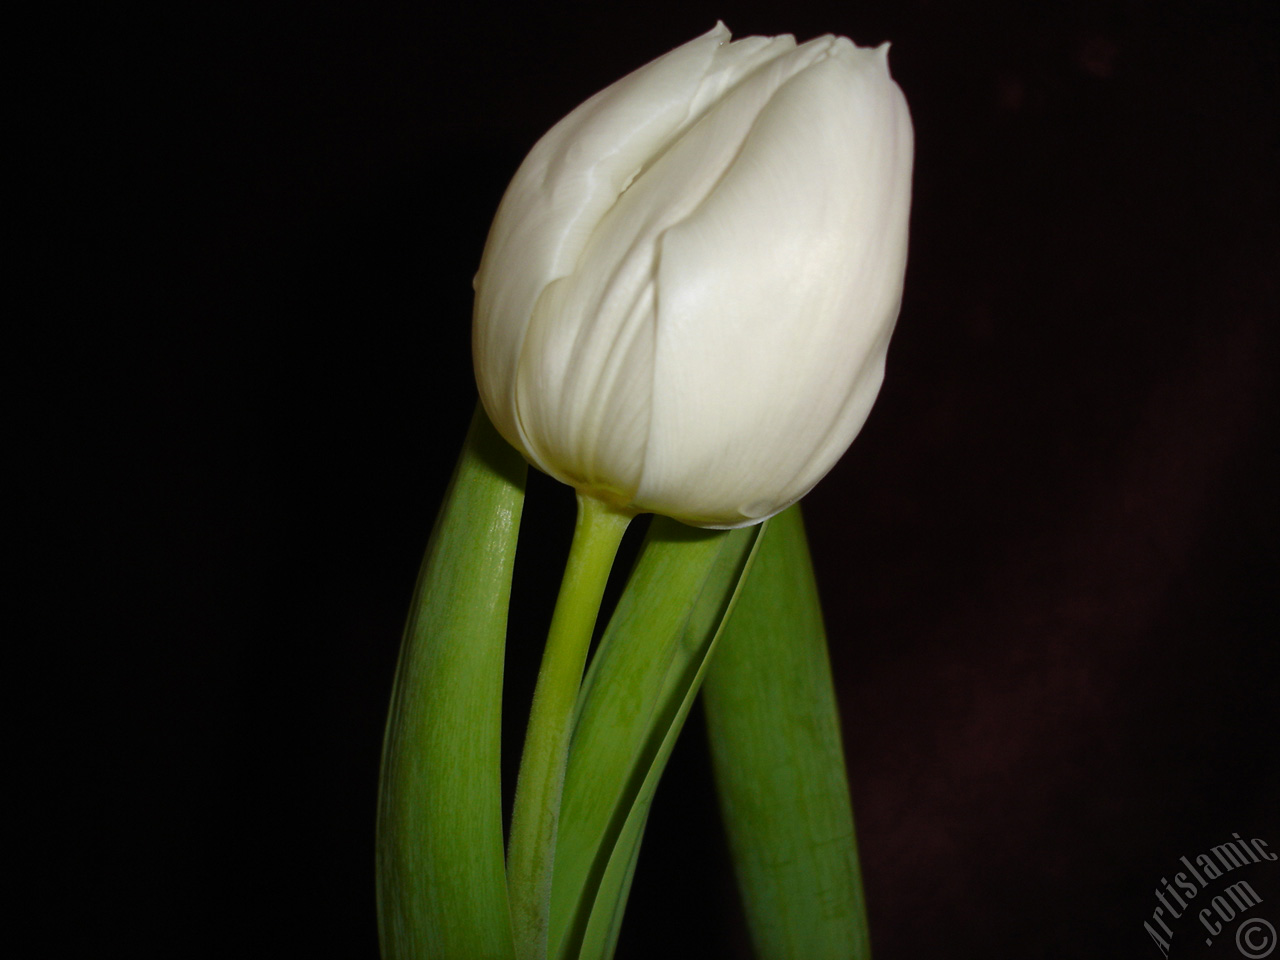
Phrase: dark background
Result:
[1049,563]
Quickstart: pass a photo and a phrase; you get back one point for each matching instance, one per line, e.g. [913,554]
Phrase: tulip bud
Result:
[687,293]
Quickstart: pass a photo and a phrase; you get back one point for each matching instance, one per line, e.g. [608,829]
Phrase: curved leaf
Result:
[779,764]
[637,694]
[442,892]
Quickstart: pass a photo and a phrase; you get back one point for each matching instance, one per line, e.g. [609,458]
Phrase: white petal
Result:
[567,182]
[584,379]
[777,296]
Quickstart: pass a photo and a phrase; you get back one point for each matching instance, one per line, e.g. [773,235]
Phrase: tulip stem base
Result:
[536,813]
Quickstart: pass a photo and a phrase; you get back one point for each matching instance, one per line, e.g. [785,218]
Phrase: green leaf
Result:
[442,891]
[634,701]
[779,764]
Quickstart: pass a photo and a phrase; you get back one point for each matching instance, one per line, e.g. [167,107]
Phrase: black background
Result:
[1048,564]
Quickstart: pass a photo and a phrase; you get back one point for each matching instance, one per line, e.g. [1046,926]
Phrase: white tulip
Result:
[687,294]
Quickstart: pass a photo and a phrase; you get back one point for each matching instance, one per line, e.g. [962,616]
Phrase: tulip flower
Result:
[687,294]
[683,308]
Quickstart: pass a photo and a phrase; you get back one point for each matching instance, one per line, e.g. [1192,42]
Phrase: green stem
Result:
[531,846]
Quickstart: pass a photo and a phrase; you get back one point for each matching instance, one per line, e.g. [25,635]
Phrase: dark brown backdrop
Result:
[1048,564]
